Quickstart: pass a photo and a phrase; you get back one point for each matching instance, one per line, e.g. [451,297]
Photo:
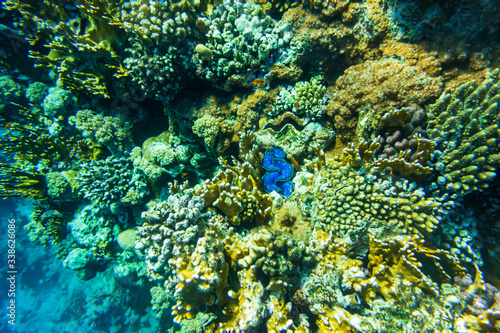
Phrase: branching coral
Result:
[352,200]
[169,232]
[157,73]
[465,125]
[241,38]
[111,180]
[103,130]
[207,128]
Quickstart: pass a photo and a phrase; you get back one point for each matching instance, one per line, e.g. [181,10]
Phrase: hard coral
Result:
[236,190]
[466,128]
[375,86]
[351,200]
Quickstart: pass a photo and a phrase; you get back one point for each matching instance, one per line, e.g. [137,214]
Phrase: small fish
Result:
[294,163]
[184,175]
[258,82]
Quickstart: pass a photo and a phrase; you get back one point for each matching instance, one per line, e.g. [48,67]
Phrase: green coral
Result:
[207,128]
[305,99]
[108,131]
[57,184]
[241,38]
[36,92]
[310,98]
[111,180]
[166,153]
[56,103]
[465,125]
[10,90]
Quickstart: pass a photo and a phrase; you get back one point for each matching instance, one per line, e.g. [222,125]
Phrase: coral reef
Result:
[351,200]
[291,137]
[236,190]
[169,229]
[223,165]
[207,128]
[376,86]
[108,131]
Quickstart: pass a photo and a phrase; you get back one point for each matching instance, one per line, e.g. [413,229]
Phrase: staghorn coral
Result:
[466,128]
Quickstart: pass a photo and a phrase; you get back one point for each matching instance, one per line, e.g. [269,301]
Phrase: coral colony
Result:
[231,166]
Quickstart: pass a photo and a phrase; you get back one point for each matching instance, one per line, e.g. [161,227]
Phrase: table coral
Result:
[465,126]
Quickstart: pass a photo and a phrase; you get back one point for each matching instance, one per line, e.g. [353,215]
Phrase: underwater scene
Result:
[250,166]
